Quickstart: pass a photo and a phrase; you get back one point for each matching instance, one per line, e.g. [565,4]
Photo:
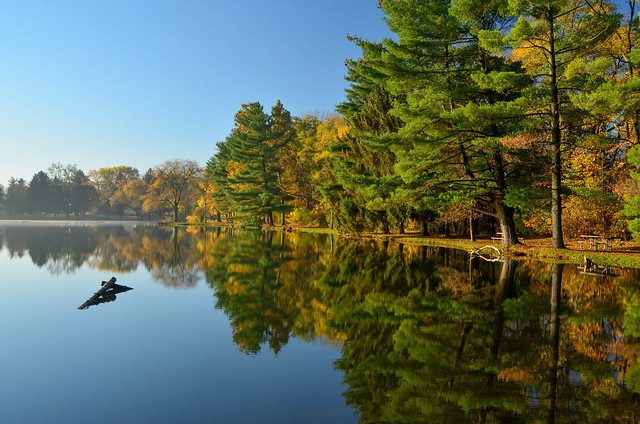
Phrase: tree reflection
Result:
[426,334]
[178,267]
[406,357]
[170,255]
[461,348]
[61,249]
[247,282]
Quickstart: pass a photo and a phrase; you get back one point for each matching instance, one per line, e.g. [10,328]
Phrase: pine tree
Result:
[38,193]
[454,104]
[216,172]
[364,162]
[254,144]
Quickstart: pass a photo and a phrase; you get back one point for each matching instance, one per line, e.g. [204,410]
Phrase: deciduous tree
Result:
[107,181]
[174,186]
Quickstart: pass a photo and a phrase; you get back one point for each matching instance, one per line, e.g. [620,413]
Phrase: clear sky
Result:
[100,83]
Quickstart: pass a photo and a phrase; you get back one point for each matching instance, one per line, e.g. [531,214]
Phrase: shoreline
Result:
[73,222]
[538,248]
[624,254]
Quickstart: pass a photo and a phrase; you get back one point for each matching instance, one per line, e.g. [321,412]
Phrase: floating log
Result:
[107,293]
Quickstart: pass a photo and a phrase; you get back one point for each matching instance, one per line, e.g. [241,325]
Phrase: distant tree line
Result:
[64,190]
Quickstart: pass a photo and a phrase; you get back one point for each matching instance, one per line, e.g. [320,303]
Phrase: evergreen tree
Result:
[452,108]
[38,193]
[364,161]
[16,196]
[216,173]
[254,146]
[282,123]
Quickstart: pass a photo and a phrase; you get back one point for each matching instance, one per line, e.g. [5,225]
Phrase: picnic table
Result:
[594,241]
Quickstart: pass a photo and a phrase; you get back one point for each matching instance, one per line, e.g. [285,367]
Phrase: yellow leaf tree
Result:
[174,186]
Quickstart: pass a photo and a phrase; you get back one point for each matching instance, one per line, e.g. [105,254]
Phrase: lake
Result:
[240,326]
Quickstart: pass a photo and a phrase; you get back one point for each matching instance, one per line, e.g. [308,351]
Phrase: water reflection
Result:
[61,249]
[170,255]
[425,333]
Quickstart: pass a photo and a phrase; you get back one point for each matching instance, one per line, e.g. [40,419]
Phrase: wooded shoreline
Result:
[624,253]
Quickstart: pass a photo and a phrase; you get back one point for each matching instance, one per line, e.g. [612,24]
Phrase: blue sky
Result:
[101,83]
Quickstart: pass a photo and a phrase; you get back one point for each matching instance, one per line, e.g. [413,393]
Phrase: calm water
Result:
[253,327]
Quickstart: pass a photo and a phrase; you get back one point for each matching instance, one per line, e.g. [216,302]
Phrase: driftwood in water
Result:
[107,293]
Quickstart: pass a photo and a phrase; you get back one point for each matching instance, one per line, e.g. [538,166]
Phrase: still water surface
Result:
[262,327]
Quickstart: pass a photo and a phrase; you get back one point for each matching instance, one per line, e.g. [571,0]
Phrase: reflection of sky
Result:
[153,355]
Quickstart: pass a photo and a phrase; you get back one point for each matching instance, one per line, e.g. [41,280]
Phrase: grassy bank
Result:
[624,253]
[627,255]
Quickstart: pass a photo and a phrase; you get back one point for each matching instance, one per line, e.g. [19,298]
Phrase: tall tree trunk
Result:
[630,43]
[507,224]
[472,235]
[445,230]
[505,213]
[424,229]
[556,157]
